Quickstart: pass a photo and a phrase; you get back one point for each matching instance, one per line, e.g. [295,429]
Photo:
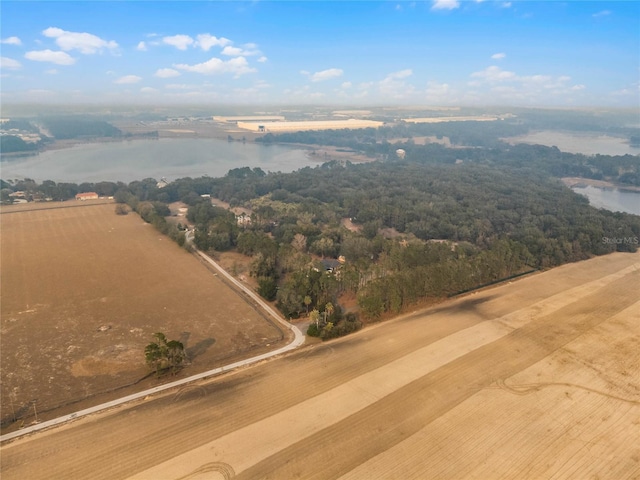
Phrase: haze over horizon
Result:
[443,52]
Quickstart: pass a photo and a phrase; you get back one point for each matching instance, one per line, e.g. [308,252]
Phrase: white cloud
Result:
[498,56]
[166,73]
[9,64]
[602,13]
[142,47]
[435,89]
[263,59]
[206,41]
[52,71]
[215,66]
[127,80]
[445,4]
[232,51]
[346,85]
[59,58]
[494,74]
[440,93]
[181,42]
[148,90]
[325,74]
[539,79]
[504,86]
[632,91]
[85,43]
[237,52]
[394,86]
[506,5]
[257,89]
[179,86]
[11,41]
[399,75]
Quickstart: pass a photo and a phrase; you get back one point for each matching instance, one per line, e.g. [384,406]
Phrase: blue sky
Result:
[444,52]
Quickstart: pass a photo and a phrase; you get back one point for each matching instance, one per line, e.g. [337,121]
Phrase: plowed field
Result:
[529,380]
[84,289]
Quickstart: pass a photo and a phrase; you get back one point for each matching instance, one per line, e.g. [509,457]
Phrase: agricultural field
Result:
[535,378]
[83,291]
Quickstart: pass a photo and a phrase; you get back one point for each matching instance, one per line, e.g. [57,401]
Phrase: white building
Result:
[309,125]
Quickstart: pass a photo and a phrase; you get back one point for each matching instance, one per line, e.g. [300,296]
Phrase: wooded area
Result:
[437,222]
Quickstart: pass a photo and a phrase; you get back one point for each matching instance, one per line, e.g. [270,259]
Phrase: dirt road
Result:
[533,379]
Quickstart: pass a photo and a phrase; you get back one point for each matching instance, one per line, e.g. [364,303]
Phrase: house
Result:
[243,219]
[87,196]
[330,265]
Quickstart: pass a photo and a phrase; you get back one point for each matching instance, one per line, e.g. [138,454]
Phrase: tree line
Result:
[422,227]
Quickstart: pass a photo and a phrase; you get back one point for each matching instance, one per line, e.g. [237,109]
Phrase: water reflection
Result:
[612,199]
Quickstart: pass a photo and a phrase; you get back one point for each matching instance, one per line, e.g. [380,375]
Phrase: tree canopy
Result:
[165,355]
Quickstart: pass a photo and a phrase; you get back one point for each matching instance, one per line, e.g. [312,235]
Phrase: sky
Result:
[439,52]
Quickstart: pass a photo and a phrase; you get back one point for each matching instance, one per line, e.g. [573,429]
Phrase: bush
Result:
[267,288]
[313,330]
[122,209]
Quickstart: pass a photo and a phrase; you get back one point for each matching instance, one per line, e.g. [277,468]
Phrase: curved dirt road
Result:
[534,379]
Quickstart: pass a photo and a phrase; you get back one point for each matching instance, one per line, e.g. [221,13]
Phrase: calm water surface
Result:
[587,144]
[612,199]
[137,159]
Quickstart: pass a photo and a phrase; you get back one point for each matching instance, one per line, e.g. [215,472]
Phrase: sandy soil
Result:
[84,289]
[581,182]
[532,379]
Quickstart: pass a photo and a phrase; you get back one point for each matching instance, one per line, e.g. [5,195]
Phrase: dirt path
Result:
[533,379]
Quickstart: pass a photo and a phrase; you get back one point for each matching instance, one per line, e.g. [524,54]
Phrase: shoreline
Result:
[579,182]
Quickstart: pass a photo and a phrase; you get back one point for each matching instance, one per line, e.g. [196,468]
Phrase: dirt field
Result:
[84,289]
[529,380]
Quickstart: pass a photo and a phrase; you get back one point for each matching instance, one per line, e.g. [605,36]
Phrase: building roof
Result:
[352,123]
[87,195]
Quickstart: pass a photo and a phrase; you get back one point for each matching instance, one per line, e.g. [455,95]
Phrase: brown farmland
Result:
[533,379]
[84,289]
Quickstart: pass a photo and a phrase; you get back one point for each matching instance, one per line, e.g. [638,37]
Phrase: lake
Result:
[612,199]
[171,158]
[587,144]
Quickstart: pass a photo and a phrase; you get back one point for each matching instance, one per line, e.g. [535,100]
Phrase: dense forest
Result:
[69,127]
[14,144]
[428,226]
[434,221]
[483,142]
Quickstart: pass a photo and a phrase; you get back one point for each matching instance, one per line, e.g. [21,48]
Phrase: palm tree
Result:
[328,310]
[307,301]
[315,316]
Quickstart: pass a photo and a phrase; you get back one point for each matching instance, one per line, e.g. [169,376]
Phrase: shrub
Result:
[267,288]
[340,329]
[313,330]
[122,209]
